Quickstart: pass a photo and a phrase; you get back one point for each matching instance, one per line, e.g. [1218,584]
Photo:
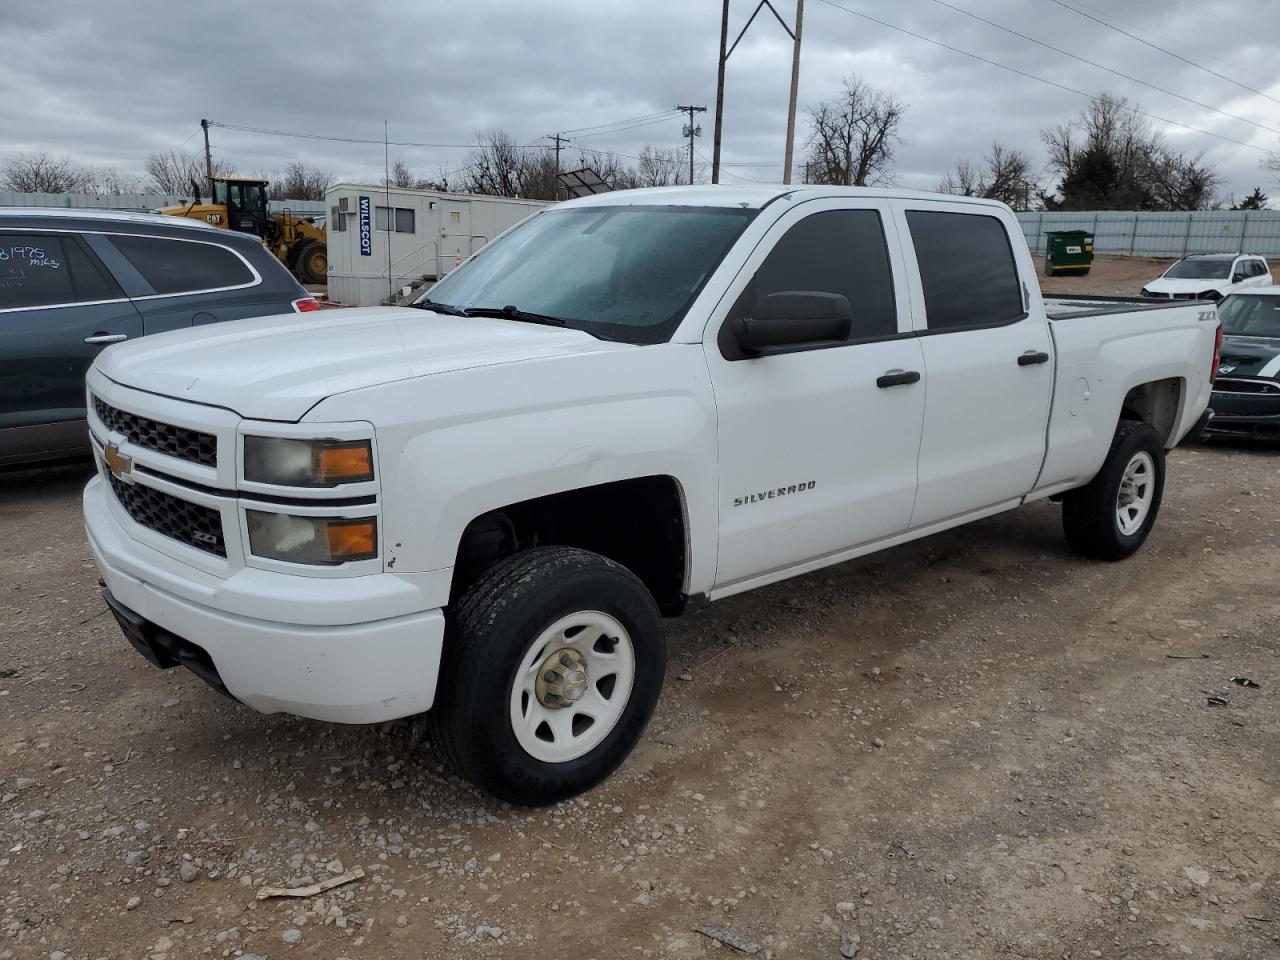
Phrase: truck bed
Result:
[1064,306]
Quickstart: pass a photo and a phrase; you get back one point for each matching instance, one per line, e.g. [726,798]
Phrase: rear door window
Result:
[833,251]
[967,270]
[50,270]
[183,266]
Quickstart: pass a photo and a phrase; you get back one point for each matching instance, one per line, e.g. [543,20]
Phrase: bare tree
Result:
[42,173]
[852,137]
[1108,157]
[494,167]
[300,181]
[172,171]
[1005,175]
[401,175]
[661,167]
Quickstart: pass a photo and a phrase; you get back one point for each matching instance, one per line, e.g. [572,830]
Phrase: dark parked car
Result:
[1246,395]
[72,281]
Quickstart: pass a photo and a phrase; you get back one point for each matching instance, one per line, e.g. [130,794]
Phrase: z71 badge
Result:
[775,493]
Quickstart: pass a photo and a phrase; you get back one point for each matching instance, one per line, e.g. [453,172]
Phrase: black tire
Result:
[303,263]
[490,630]
[1089,513]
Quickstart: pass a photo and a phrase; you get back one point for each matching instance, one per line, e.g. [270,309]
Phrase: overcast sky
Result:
[110,82]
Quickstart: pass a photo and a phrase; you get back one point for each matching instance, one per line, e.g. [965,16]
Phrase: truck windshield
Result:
[624,273]
[1247,316]
[1199,270]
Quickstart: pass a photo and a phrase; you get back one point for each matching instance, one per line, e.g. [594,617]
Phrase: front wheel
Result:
[553,663]
[1111,516]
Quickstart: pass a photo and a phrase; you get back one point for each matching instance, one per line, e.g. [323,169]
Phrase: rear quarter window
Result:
[183,266]
[50,270]
[967,270]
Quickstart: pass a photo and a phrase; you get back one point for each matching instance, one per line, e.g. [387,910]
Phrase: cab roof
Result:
[711,195]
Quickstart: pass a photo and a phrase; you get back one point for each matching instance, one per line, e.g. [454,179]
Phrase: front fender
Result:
[489,437]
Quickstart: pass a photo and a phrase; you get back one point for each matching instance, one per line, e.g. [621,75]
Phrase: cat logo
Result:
[121,467]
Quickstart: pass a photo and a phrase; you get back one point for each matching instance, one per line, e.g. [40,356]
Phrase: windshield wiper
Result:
[510,312]
[439,308]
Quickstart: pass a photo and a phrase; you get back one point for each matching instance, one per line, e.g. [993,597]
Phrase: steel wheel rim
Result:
[1137,489]
[572,728]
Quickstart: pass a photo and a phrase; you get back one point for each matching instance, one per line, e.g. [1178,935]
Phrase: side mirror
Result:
[794,318]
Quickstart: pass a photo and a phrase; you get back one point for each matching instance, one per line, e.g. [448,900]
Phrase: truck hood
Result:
[1166,285]
[278,368]
[1250,357]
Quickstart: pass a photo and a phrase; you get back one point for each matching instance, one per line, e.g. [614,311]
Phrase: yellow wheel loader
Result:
[240,203]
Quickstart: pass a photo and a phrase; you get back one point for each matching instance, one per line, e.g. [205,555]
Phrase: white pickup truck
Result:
[483,507]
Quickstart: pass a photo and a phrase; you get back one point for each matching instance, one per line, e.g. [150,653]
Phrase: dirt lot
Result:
[1109,276]
[973,746]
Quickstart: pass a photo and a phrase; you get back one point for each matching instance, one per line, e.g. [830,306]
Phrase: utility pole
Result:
[795,83]
[691,131]
[558,140]
[715,146]
[208,158]
[795,77]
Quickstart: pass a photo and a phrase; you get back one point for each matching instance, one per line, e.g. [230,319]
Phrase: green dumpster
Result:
[1068,252]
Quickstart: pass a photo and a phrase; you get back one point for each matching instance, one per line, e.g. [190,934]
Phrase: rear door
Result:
[987,359]
[177,282]
[58,309]
[817,447]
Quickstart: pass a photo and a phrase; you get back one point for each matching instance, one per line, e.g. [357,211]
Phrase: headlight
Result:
[1146,292]
[316,540]
[307,463]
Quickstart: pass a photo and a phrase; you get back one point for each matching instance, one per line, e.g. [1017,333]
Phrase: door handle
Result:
[897,378]
[106,338]
[1032,357]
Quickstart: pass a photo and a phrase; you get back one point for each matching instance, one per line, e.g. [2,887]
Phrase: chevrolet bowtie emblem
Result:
[121,467]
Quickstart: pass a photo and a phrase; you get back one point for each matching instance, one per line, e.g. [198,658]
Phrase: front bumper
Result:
[327,668]
[1244,415]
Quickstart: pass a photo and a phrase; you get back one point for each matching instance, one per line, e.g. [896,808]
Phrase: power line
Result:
[394,143]
[1156,46]
[647,118]
[1038,79]
[1165,37]
[1094,63]
[665,118]
[1251,31]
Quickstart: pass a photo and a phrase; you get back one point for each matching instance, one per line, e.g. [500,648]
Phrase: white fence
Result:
[138,202]
[1152,234]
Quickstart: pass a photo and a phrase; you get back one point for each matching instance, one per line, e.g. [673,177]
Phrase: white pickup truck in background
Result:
[483,507]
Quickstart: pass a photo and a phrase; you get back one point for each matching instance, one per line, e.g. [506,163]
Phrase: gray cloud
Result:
[109,83]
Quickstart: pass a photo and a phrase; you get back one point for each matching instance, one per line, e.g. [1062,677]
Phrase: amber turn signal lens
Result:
[352,540]
[344,463]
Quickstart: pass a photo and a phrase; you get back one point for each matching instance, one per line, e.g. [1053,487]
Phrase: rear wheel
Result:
[553,663]
[313,263]
[1110,517]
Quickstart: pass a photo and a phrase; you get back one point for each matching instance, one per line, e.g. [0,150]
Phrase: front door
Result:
[988,359]
[58,309]
[818,447]
[455,234]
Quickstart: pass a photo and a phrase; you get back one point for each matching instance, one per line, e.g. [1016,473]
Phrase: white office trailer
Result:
[381,241]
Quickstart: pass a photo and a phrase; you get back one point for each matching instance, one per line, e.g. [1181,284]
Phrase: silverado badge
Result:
[121,467]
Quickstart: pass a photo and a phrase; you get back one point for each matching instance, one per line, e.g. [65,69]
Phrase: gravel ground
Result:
[972,746]
[1109,276]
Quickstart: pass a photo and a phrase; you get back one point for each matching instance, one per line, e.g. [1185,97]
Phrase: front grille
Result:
[1233,385]
[180,442]
[181,520]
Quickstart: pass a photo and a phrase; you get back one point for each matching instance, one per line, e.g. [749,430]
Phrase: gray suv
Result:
[72,281]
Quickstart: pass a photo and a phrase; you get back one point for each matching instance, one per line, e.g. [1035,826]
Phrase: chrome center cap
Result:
[562,678]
